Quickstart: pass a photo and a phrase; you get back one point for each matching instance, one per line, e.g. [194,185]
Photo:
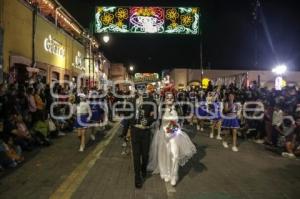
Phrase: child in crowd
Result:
[41,131]
[5,160]
[23,133]
[14,152]
[288,133]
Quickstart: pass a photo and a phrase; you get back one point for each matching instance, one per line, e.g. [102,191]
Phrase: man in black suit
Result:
[141,135]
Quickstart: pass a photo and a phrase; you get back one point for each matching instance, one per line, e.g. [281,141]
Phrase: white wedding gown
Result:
[169,151]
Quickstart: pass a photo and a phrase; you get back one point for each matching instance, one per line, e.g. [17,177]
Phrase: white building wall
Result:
[267,78]
[179,76]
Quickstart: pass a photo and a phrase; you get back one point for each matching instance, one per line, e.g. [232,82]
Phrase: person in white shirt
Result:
[83,116]
[277,120]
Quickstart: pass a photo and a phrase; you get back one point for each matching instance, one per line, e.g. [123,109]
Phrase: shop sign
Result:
[78,61]
[279,83]
[54,47]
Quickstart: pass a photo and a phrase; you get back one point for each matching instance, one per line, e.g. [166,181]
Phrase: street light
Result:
[131,68]
[106,38]
[279,70]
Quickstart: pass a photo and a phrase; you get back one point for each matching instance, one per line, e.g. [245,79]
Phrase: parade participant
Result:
[170,147]
[83,115]
[202,110]
[110,101]
[182,102]
[230,121]
[141,135]
[95,107]
[193,99]
[216,119]
[127,114]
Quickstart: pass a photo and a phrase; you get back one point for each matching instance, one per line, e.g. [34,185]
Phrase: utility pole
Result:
[256,22]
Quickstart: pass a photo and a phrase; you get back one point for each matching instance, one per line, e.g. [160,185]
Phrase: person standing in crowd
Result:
[32,106]
[230,122]
[48,98]
[3,103]
[193,99]
[277,119]
[182,102]
[110,100]
[268,123]
[201,107]
[83,116]
[141,135]
[288,132]
[40,105]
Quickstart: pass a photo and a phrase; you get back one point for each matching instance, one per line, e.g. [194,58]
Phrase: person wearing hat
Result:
[83,116]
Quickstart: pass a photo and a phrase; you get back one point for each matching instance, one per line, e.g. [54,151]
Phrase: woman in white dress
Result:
[169,150]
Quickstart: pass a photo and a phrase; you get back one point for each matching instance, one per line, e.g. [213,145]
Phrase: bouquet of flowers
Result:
[172,127]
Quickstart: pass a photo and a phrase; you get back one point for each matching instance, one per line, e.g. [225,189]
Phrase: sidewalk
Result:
[41,174]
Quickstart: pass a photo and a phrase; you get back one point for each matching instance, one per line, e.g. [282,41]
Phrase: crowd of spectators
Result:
[278,129]
[27,121]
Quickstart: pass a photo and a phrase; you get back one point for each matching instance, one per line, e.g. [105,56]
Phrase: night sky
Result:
[227,33]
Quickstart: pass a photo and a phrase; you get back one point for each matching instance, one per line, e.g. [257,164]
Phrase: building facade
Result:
[183,77]
[118,72]
[41,40]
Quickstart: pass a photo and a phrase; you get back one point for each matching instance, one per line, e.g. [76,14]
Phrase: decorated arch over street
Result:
[159,20]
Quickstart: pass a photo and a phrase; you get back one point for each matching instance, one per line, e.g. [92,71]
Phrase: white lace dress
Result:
[169,151]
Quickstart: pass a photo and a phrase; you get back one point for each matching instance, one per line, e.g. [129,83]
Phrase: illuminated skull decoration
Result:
[149,24]
[149,20]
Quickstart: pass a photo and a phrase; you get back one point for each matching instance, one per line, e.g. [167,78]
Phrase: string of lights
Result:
[49,8]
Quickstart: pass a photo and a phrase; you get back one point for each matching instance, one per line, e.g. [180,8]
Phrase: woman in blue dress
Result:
[83,116]
[215,109]
[230,122]
[95,106]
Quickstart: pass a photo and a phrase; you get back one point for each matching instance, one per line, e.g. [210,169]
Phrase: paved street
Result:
[102,172]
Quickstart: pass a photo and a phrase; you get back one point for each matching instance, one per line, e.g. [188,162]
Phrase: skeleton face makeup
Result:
[169,99]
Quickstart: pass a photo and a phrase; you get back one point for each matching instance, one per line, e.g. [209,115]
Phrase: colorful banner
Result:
[146,77]
[147,20]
